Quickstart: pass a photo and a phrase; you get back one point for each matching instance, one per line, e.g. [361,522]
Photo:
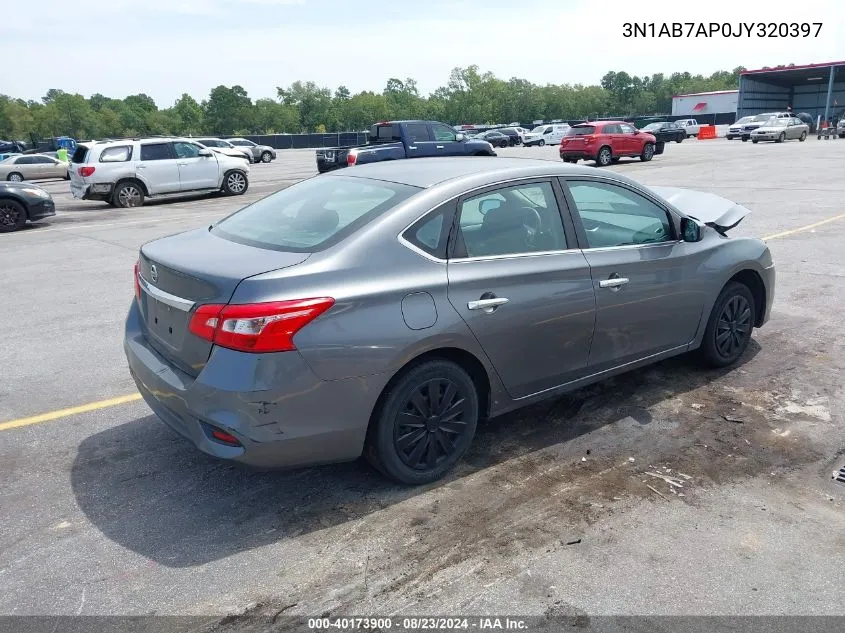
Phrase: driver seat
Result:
[503,231]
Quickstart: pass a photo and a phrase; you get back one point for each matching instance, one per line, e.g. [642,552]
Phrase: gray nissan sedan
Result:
[385,309]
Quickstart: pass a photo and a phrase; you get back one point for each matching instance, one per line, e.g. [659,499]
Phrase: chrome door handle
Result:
[182,164]
[141,167]
[488,305]
[412,147]
[439,147]
[613,283]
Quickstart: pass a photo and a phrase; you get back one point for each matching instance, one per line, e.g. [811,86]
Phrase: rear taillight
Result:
[137,281]
[588,138]
[352,158]
[225,438]
[257,327]
[86,171]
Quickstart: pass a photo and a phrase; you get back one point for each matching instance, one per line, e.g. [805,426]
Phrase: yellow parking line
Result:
[803,228]
[63,413]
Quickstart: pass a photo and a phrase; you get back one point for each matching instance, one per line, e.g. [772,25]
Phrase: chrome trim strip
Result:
[626,247]
[481,258]
[165,297]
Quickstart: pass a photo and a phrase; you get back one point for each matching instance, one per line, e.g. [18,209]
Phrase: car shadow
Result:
[150,491]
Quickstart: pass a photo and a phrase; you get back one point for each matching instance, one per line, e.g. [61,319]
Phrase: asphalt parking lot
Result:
[561,508]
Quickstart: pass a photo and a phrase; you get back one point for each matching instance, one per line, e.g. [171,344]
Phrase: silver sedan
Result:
[385,309]
[780,130]
[33,167]
[260,153]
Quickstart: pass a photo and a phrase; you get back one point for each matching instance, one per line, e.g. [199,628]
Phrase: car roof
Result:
[427,172]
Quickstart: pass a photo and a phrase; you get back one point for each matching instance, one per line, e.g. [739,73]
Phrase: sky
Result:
[168,47]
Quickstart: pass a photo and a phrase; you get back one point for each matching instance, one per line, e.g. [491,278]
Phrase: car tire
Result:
[12,216]
[127,195]
[405,413]
[782,137]
[266,157]
[604,157]
[729,326]
[803,137]
[729,137]
[541,143]
[745,139]
[15,177]
[659,147]
[648,152]
[235,183]
[679,139]
[754,140]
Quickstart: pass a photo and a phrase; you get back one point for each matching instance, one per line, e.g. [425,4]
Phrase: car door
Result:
[420,141]
[613,133]
[647,300]
[157,167]
[631,139]
[195,172]
[520,284]
[27,167]
[53,168]
[446,141]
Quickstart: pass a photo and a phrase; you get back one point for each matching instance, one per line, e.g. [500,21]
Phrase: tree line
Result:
[469,96]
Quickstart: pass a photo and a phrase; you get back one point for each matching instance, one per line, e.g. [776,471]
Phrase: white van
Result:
[550,134]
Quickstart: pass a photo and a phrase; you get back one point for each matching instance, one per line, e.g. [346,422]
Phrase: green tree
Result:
[227,110]
[313,103]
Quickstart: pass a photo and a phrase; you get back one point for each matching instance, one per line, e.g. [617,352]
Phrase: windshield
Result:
[243,143]
[746,119]
[652,126]
[313,214]
[580,130]
[539,129]
[762,117]
[773,122]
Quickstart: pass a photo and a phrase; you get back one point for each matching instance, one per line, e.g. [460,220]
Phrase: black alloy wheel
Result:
[729,327]
[425,424]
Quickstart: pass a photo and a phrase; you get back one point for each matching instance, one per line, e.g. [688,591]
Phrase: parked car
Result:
[513,134]
[840,127]
[124,173]
[760,119]
[495,138]
[779,130]
[22,201]
[665,132]
[689,126]
[395,140]
[809,120]
[735,130]
[12,147]
[260,153]
[605,142]
[385,310]
[225,147]
[33,167]
[546,135]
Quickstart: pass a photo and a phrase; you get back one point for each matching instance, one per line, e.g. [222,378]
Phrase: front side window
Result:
[627,129]
[243,143]
[443,133]
[312,214]
[25,160]
[521,219]
[186,150]
[615,216]
[156,151]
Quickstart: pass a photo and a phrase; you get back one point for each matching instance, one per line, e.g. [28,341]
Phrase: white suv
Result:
[125,172]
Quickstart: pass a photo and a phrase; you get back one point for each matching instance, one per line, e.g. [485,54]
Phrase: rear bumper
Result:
[577,153]
[280,411]
[41,209]
[96,191]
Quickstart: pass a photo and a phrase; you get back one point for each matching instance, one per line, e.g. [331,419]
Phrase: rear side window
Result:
[156,151]
[417,132]
[116,154]
[385,133]
[581,130]
[313,214]
[25,160]
[431,233]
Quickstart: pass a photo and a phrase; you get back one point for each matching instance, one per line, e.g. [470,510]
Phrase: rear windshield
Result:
[385,133]
[80,154]
[313,214]
[581,130]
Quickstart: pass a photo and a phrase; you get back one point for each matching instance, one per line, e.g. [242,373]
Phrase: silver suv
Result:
[125,172]
[263,153]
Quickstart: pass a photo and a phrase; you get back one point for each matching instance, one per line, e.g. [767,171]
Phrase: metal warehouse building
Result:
[696,104]
[817,89]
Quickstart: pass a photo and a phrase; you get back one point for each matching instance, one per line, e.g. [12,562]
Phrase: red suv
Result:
[606,142]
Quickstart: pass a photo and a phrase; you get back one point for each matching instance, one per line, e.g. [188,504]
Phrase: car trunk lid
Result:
[180,273]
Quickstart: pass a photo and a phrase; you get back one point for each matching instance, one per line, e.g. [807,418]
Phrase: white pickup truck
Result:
[691,126]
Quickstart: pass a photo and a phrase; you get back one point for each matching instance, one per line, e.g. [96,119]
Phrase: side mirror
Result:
[460,137]
[690,230]
[205,152]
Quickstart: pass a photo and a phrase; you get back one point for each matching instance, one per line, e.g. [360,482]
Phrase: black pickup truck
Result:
[394,140]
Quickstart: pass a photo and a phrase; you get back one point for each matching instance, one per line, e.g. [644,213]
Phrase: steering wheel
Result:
[658,234]
[533,223]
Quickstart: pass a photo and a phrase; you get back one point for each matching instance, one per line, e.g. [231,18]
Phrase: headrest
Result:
[319,221]
[503,218]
